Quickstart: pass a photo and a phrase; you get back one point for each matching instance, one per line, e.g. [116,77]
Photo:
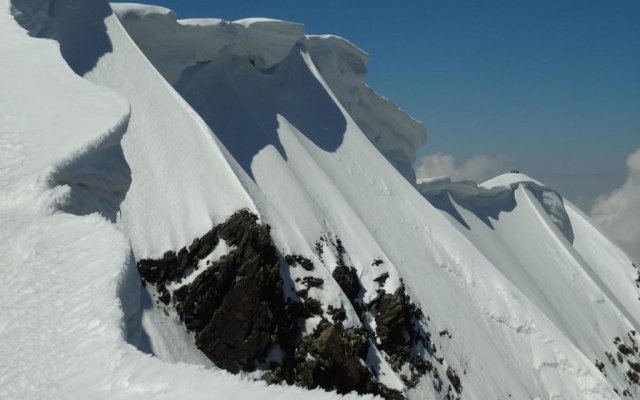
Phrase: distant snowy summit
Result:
[198,208]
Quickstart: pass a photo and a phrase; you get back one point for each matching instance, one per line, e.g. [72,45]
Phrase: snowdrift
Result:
[152,165]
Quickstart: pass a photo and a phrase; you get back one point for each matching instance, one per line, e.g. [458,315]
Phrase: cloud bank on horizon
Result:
[618,213]
[477,168]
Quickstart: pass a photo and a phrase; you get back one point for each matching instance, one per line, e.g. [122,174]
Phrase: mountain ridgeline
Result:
[205,207]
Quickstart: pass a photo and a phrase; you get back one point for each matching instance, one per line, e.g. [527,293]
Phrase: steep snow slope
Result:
[62,322]
[550,252]
[522,297]
[394,133]
[497,282]
[265,43]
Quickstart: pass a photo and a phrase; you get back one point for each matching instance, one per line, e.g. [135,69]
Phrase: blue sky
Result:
[552,85]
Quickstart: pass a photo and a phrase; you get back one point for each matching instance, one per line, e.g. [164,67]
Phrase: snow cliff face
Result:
[188,45]
[245,175]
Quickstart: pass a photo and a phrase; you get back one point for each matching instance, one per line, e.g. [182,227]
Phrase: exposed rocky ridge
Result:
[235,307]
[238,312]
[624,361]
[242,319]
[400,327]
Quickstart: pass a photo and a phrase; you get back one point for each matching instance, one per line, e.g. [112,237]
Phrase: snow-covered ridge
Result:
[185,43]
[265,43]
[396,134]
[512,307]
[73,283]
[497,192]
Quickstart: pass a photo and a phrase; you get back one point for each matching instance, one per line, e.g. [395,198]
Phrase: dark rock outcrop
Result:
[236,307]
[295,260]
[396,323]
[382,279]
[172,266]
[405,342]
[347,279]
[311,281]
[331,358]
[238,312]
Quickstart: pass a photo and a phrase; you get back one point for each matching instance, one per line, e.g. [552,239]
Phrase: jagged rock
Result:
[184,258]
[454,379]
[207,243]
[154,271]
[313,306]
[391,321]
[335,361]
[347,279]
[341,252]
[311,281]
[633,376]
[445,333]
[319,249]
[382,279]
[173,265]
[164,295]
[294,260]
[600,365]
[399,332]
[249,294]
[275,376]
[337,314]
[610,358]
[419,367]
[624,349]
[237,311]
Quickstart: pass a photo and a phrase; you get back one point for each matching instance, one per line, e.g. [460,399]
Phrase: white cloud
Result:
[478,168]
[618,213]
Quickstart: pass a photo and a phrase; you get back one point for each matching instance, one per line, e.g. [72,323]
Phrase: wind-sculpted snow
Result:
[233,97]
[520,296]
[200,57]
[391,130]
[62,331]
[557,241]
[487,201]
[186,43]
[75,24]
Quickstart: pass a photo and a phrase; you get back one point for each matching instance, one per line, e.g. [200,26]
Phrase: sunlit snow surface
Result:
[99,172]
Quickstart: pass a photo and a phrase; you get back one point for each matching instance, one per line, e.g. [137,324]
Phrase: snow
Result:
[138,11]
[529,234]
[394,133]
[163,139]
[192,273]
[266,43]
[186,43]
[73,284]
